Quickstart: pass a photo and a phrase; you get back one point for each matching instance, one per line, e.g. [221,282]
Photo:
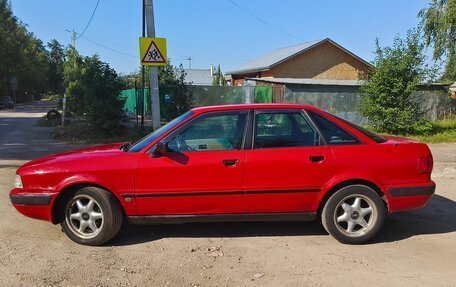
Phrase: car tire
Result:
[93,216]
[354,214]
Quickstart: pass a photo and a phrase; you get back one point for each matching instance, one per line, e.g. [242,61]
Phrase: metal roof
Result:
[302,81]
[198,77]
[453,87]
[265,62]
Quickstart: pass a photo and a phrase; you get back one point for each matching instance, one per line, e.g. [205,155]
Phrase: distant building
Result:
[316,60]
[453,90]
[199,77]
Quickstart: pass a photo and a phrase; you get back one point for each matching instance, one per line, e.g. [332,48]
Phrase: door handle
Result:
[317,158]
[230,162]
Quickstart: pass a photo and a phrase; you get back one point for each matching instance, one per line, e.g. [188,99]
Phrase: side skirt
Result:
[170,219]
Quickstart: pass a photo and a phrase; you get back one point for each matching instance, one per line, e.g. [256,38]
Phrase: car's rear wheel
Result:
[354,214]
[92,216]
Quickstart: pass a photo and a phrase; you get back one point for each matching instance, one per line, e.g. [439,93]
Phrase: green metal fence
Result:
[202,96]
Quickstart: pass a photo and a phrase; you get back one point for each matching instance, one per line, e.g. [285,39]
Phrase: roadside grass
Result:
[443,131]
[81,133]
[44,122]
[53,97]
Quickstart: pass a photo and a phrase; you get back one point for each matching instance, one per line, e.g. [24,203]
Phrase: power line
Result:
[261,20]
[214,59]
[110,43]
[90,20]
[110,49]
[124,53]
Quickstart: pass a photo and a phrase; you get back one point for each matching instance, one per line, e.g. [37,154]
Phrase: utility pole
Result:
[73,38]
[154,90]
[189,59]
[143,70]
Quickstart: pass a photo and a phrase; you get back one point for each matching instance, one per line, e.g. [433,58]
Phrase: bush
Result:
[93,90]
[387,93]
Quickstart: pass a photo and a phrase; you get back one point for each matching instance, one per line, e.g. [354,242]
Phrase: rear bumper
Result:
[36,205]
[410,197]
[412,191]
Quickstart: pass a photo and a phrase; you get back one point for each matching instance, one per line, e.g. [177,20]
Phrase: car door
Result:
[203,171]
[286,166]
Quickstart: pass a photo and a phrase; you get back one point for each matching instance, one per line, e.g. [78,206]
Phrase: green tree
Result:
[181,99]
[219,79]
[73,81]
[387,94]
[22,55]
[93,90]
[8,53]
[439,25]
[56,59]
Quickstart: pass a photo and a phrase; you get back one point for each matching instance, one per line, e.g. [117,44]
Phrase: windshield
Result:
[142,143]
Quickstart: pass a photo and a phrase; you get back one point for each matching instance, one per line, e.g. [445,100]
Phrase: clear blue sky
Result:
[216,31]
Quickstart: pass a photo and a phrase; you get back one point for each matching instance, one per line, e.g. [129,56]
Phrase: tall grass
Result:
[443,131]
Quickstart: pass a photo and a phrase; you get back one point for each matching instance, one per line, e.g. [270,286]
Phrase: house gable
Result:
[325,61]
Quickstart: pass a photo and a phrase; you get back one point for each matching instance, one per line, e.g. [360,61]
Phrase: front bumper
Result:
[31,199]
[410,197]
[36,205]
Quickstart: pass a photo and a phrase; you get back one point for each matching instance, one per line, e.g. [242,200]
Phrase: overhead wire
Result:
[261,20]
[109,48]
[90,20]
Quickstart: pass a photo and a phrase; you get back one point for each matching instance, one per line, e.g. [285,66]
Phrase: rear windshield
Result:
[377,138]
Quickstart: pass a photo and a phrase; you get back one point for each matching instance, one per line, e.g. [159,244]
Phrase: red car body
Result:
[259,181]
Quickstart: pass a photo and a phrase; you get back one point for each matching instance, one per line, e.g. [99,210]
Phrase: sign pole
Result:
[154,89]
[143,73]
[64,103]
[13,85]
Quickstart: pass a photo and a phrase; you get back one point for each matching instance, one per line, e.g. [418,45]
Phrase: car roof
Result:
[249,106]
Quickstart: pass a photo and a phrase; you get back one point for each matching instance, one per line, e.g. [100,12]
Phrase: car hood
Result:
[84,153]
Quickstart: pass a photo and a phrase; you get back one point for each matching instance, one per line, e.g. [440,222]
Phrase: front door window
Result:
[219,132]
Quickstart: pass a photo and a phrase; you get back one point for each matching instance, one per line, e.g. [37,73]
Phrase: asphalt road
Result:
[21,139]
[414,249]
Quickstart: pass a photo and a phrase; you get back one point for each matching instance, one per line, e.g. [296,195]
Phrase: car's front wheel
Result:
[354,214]
[92,216]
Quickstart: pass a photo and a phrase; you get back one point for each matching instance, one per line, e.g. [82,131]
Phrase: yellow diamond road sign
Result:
[153,51]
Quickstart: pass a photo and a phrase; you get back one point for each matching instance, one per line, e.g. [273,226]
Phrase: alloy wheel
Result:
[84,217]
[355,215]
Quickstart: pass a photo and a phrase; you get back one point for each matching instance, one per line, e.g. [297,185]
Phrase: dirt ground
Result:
[414,249]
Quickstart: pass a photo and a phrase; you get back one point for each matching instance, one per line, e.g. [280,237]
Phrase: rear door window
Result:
[283,129]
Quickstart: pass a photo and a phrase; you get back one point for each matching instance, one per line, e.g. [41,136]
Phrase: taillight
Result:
[425,164]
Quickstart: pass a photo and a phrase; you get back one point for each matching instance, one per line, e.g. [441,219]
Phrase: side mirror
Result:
[161,149]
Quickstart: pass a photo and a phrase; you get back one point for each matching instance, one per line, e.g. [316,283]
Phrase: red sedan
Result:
[256,162]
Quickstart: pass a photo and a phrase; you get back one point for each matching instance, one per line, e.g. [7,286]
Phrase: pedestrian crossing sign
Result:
[153,51]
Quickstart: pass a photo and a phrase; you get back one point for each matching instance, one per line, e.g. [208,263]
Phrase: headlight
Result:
[18,181]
